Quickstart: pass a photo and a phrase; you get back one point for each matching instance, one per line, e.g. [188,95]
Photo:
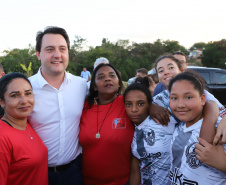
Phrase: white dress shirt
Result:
[56,116]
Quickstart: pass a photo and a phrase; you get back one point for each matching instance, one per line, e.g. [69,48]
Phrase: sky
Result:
[187,22]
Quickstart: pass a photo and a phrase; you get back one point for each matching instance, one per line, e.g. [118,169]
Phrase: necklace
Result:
[18,127]
[98,131]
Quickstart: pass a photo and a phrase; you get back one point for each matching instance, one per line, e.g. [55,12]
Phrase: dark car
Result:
[215,79]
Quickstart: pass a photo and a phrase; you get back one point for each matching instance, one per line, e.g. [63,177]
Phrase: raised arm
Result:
[159,114]
[211,113]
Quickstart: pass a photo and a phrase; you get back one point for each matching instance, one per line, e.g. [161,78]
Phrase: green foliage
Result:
[173,46]
[126,57]
[214,54]
[27,69]
[198,45]
[15,58]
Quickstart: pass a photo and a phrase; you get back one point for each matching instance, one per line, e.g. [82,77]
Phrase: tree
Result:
[76,50]
[142,54]
[78,43]
[15,57]
[147,53]
[214,54]
[198,45]
[173,46]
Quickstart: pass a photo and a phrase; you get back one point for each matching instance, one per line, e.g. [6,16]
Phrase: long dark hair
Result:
[93,93]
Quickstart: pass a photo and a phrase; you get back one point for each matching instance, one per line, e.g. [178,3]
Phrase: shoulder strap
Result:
[7,122]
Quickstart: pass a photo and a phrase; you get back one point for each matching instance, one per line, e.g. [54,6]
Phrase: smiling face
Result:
[18,100]
[53,55]
[136,106]
[167,69]
[106,81]
[186,103]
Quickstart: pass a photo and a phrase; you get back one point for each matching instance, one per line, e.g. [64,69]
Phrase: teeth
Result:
[56,62]
[168,78]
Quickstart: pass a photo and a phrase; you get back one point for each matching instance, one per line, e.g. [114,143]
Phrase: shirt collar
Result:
[143,123]
[196,125]
[42,82]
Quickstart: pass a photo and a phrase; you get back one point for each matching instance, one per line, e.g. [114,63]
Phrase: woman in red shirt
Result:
[23,155]
[106,132]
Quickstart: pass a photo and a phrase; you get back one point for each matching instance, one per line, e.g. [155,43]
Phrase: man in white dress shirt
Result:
[59,99]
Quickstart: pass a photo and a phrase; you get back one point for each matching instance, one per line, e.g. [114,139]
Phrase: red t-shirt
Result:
[106,160]
[23,161]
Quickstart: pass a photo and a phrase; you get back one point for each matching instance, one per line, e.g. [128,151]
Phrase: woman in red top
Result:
[23,155]
[106,132]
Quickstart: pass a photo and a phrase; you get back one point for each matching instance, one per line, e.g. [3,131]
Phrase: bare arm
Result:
[159,114]
[135,178]
[211,113]
[211,155]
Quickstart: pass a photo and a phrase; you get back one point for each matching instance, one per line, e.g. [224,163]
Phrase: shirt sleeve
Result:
[162,99]
[159,88]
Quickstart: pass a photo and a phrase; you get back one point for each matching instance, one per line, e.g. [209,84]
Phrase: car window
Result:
[206,76]
[220,78]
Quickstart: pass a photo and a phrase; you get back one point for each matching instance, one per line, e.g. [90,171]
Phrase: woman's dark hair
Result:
[169,56]
[93,93]
[147,81]
[141,86]
[7,79]
[193,77]
[51,30]
[143,80]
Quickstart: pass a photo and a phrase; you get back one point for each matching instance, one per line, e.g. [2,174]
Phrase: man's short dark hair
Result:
[180,53]
[51,30]
[143,71]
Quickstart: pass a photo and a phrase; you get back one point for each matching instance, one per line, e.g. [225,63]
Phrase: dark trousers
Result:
[70,176]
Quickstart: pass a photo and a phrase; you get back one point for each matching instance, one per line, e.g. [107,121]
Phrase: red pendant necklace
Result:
[98,131]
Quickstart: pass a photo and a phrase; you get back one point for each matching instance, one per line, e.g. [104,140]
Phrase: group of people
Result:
[166,155]
[55,112]
[56,131]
